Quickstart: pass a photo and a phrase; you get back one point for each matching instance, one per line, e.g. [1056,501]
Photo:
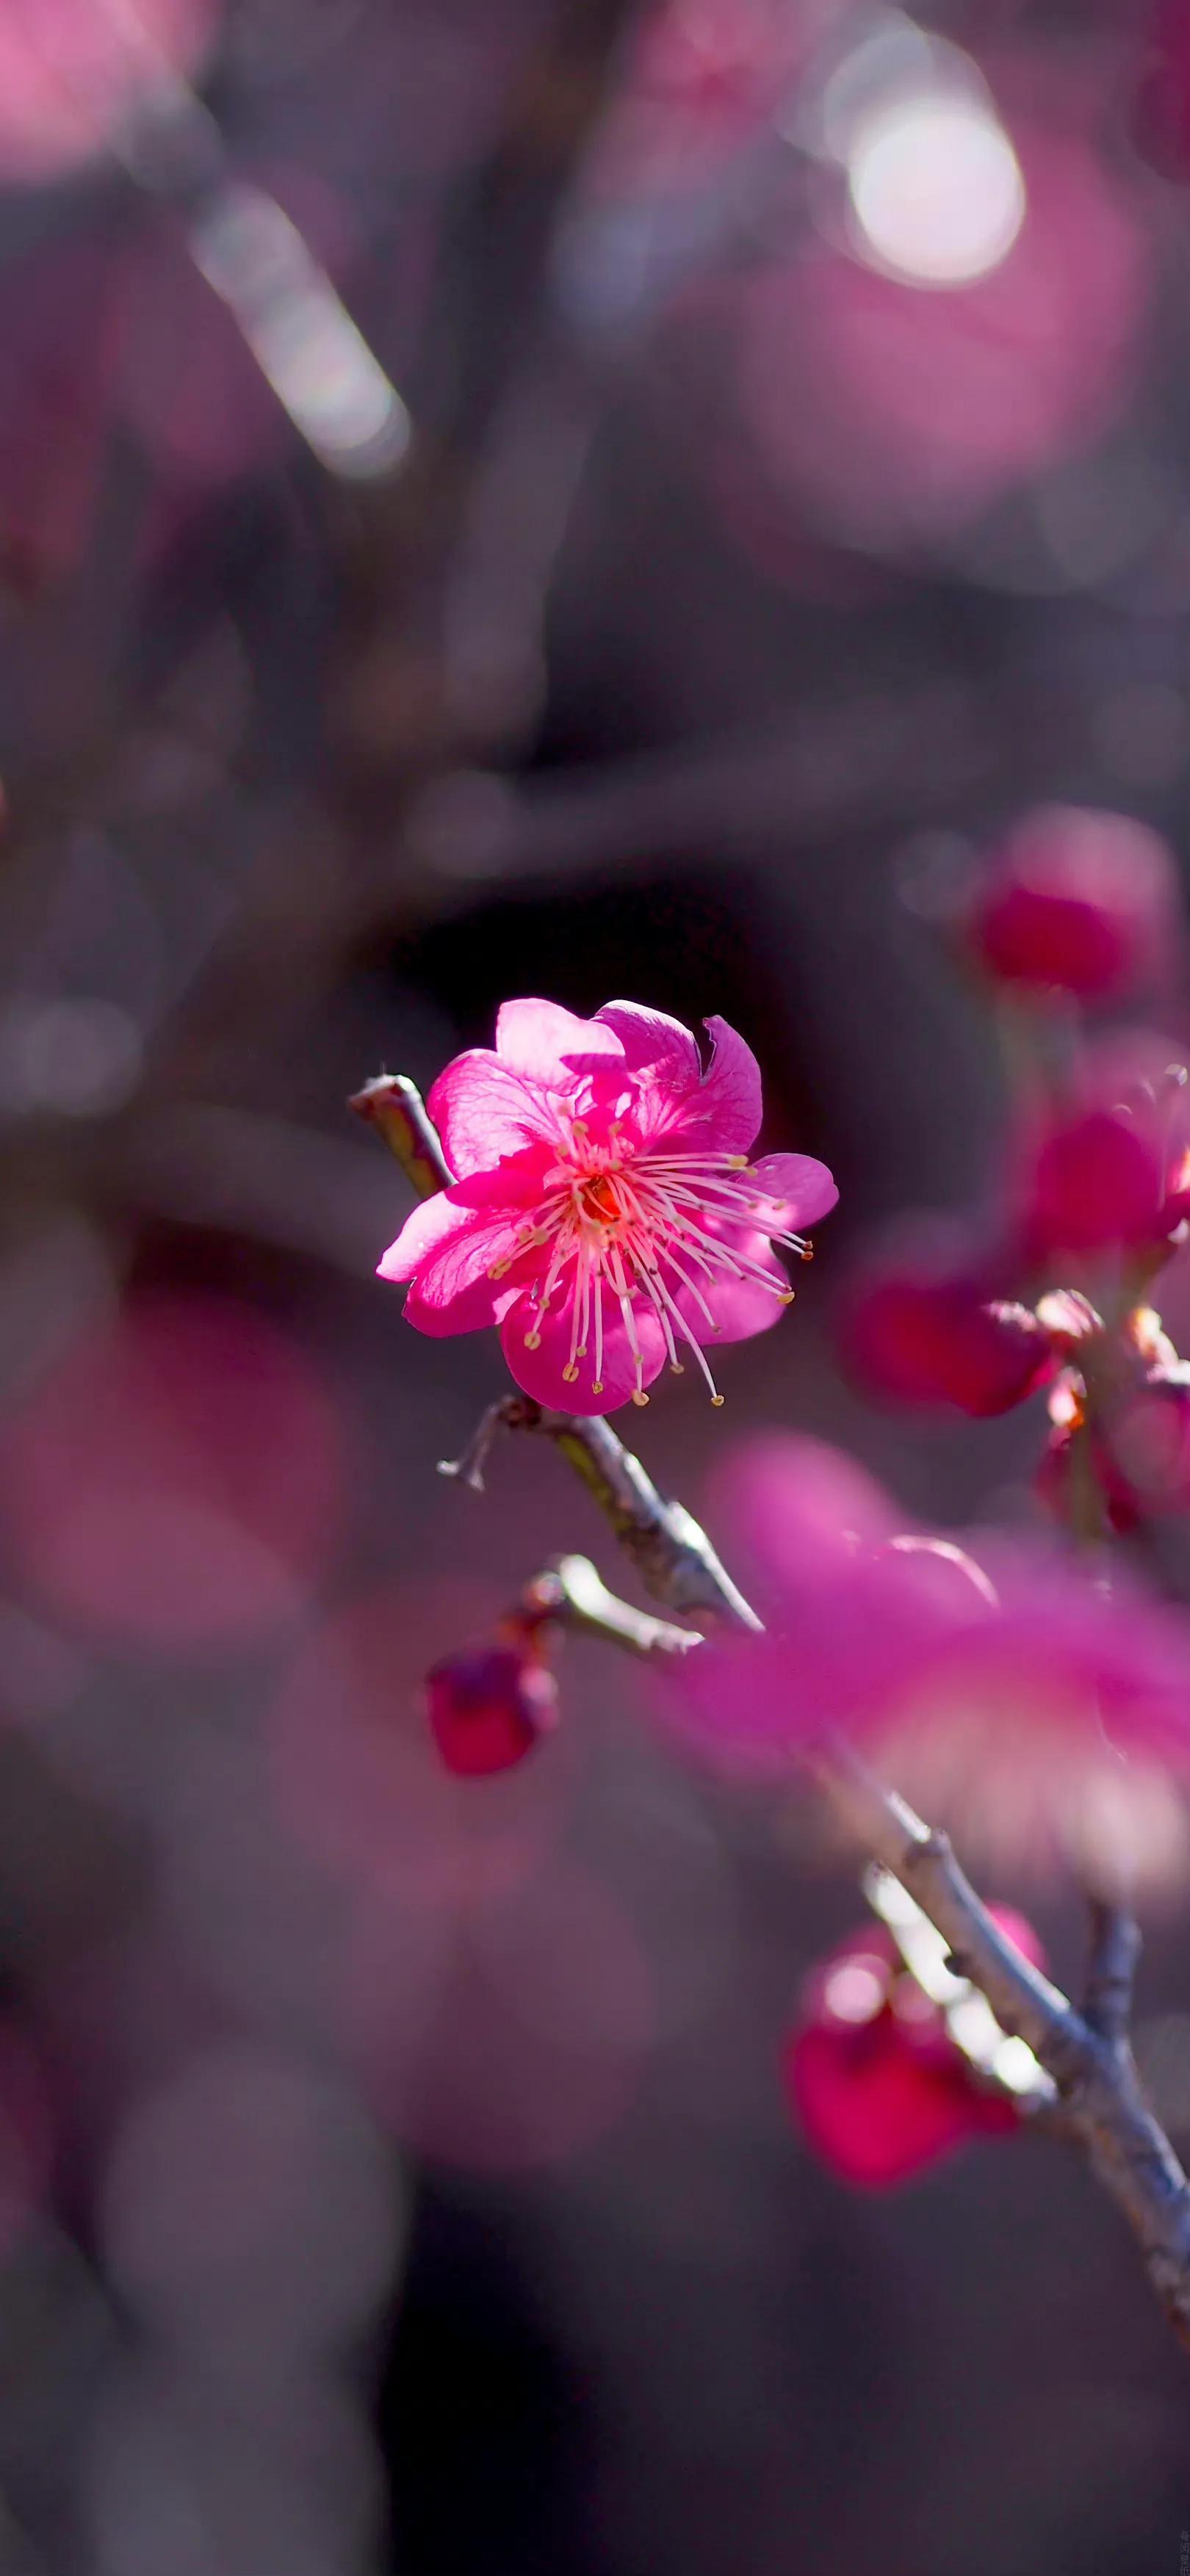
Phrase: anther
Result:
[570,1372]
[532,1341]
[596,1386]
[676,1368]
[639,1396]
[718,1399]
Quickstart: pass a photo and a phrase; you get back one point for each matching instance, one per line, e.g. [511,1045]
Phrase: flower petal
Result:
[539,1370]
[473,1308]
[429,1224]
[484,1111]
[729,1099]
[652,1042]
[740,1307]
[453,1290]
[803,1188]
[540,1039]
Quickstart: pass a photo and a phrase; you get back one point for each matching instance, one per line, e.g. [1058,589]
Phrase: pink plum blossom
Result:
[604,1212]
[1004,1687]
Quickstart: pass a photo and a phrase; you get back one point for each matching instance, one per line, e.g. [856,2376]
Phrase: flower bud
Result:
[876,2083]
[488,1707]
[1081,902]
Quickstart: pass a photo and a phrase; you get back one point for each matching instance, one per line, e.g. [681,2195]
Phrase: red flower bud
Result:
[1078,901]
[488,1707]
[876,2082]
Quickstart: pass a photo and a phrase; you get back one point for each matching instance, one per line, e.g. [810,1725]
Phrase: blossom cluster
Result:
[1053,1290]
[608,1215]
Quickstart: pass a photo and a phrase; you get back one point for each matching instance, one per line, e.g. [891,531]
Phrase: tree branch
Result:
[1086,2055]
[1111,1969]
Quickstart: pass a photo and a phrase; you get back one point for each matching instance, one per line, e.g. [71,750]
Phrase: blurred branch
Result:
[1100,2102]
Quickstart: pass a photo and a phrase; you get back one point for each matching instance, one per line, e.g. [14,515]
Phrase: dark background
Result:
[393,2172]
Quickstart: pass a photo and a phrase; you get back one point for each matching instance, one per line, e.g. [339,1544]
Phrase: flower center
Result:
[654,1233]
[597,1198]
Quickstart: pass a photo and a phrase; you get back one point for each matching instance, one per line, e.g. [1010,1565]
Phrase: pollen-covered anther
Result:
[639,1396]
[570,1372]
[532,1341]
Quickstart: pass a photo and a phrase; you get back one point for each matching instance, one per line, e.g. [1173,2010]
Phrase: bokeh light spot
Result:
[936,190]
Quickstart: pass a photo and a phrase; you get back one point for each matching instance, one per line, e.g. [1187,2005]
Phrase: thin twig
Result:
[394,1105]
[1101,2105]
[573,1593]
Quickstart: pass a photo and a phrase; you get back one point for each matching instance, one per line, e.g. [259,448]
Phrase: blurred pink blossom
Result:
[933,1321]
[1111,1170]
[604,1212]
[1084,902]
[1010,1691]
[176,1479]
[888,410]
[73,71]
[703,78]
